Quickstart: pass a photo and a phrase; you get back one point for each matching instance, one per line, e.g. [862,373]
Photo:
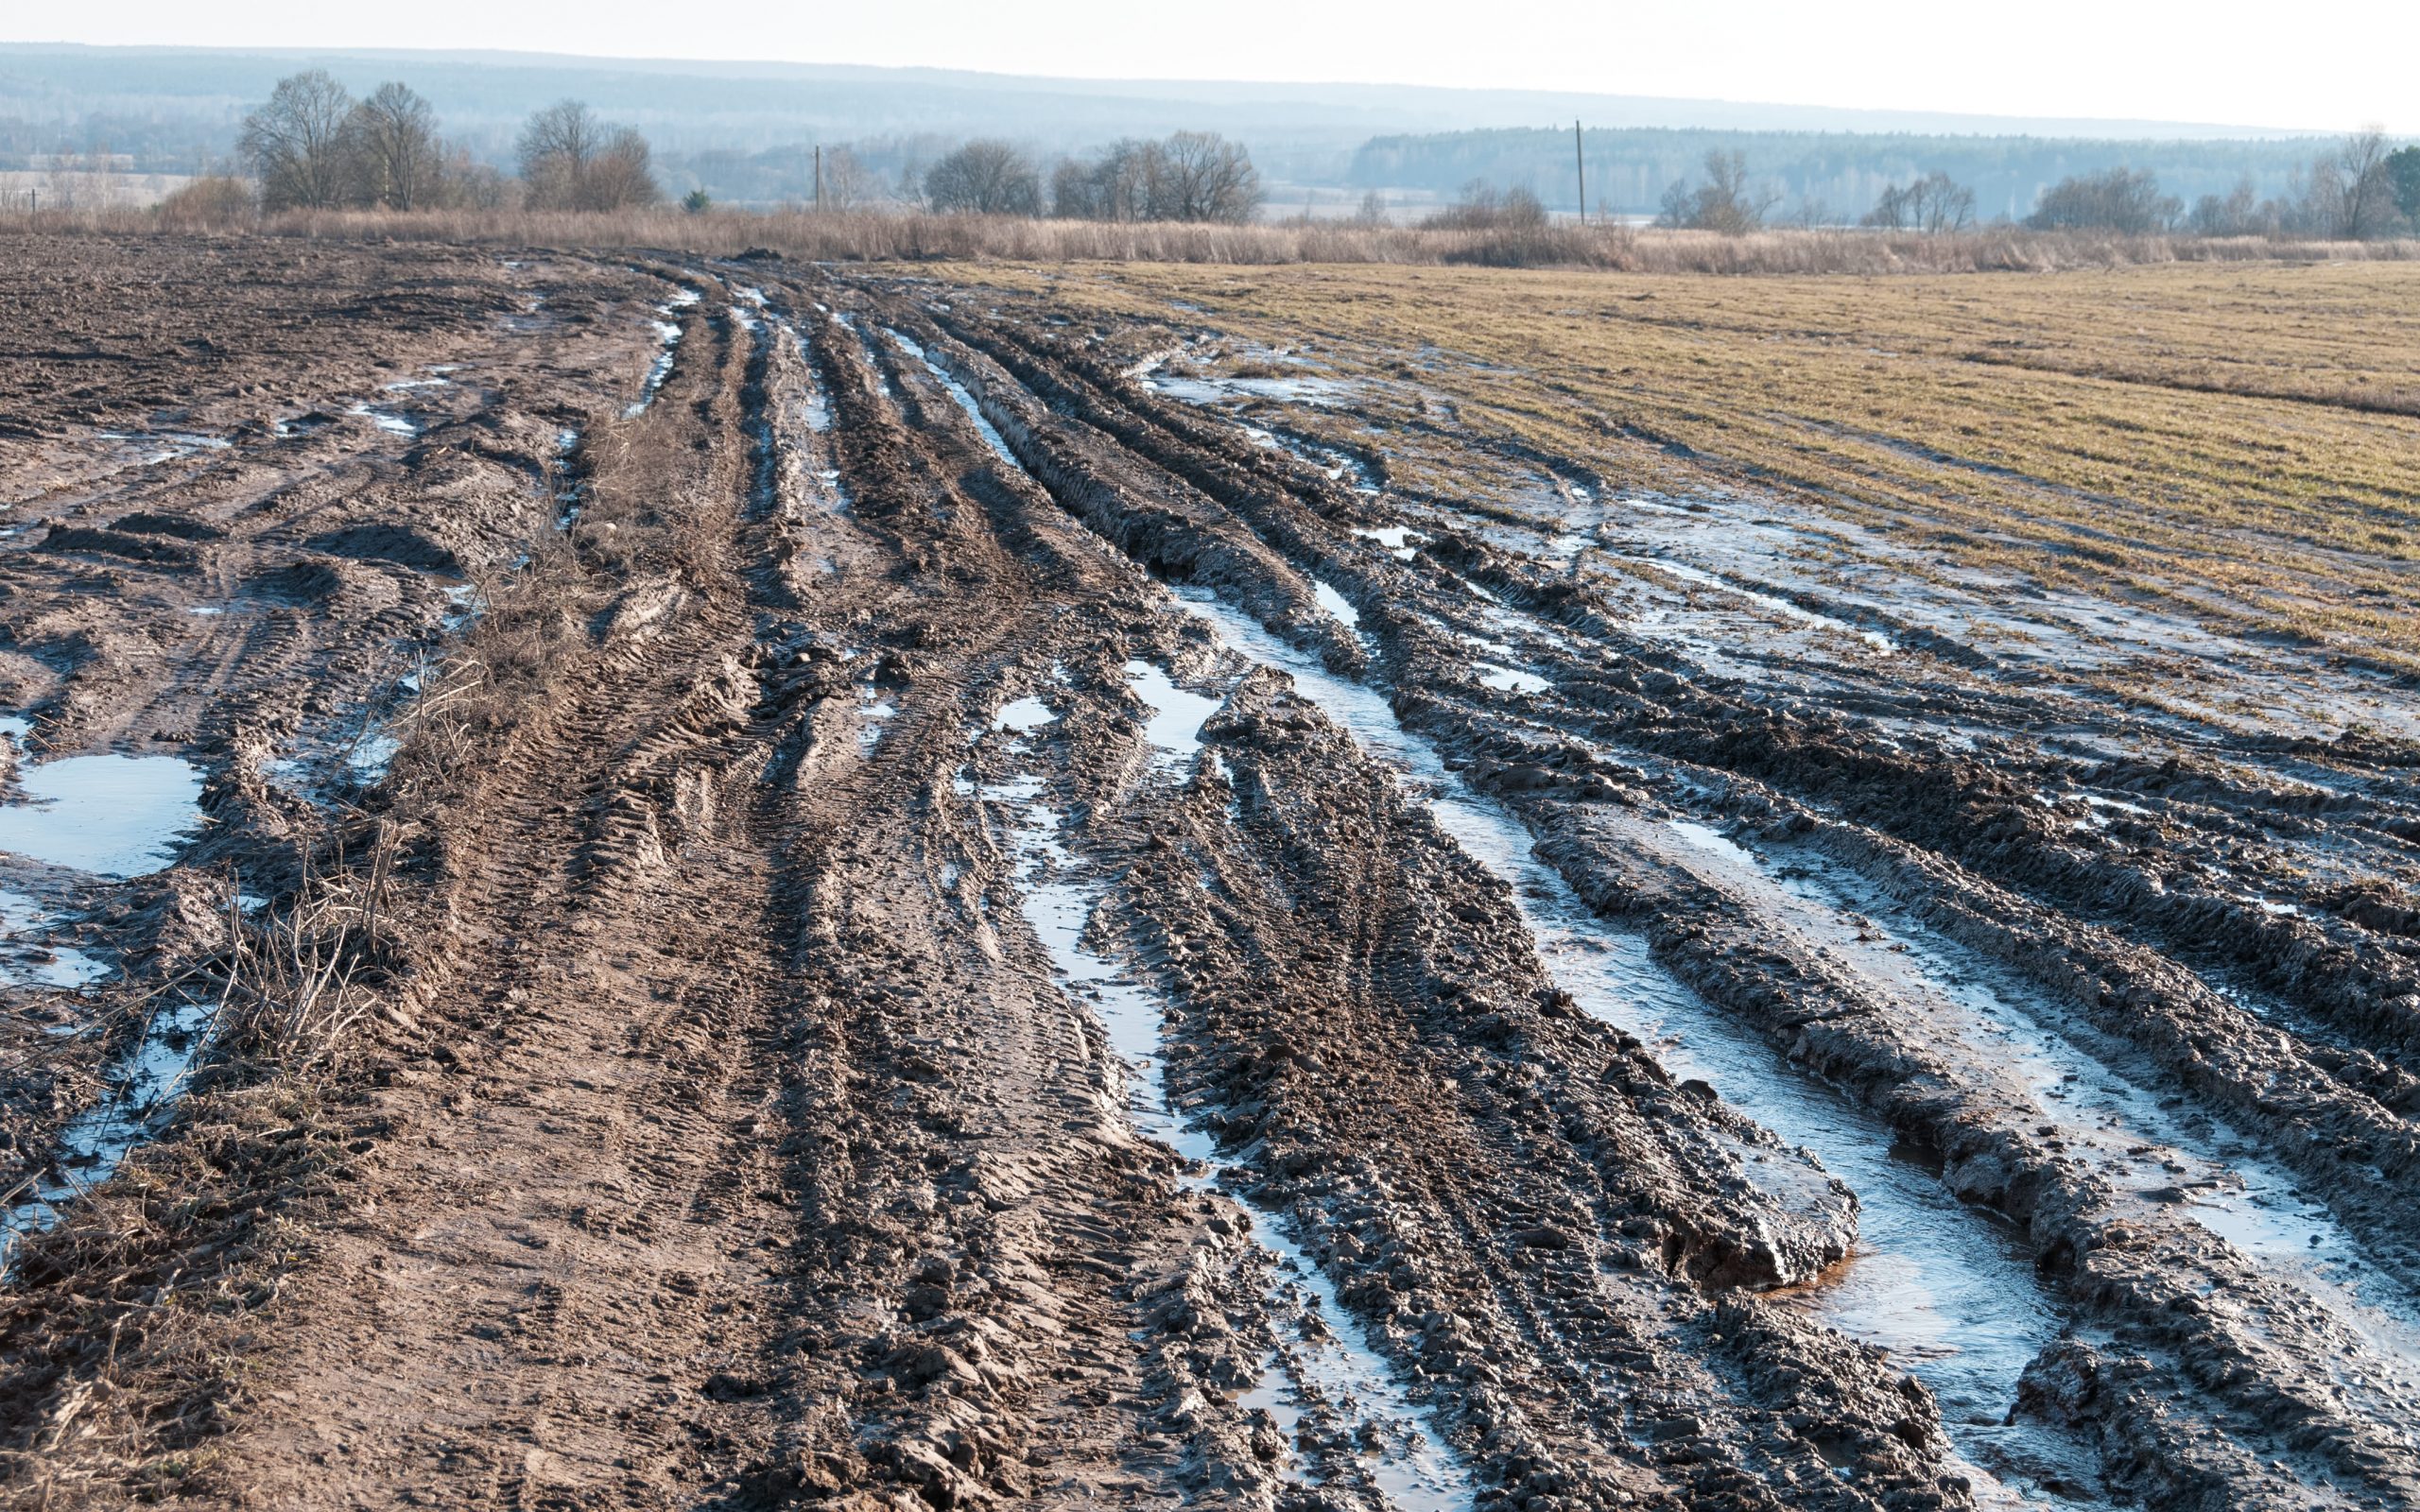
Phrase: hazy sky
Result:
[2329,66]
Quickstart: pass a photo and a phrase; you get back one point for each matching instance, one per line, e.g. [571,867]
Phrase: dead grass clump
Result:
[217,202]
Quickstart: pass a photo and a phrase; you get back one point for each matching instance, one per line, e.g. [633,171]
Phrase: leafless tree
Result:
[1205,177]
[476,185]
[1190,176]
[1933,204]
[397,161]
[555,146]
[1071,191]
[572,160]
[846,183]
[1677,207]
[1726,202]
[1373,209]
[2119,200]
[987,178]
[2238,213]
[1124,183]
[297,142]
[619,176]
[2354,194]
[83,180]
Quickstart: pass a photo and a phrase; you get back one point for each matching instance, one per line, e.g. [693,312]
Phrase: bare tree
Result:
[1678,206]
[1933,204]
[619,176]
[476,185]
[1204,176]
[397,161]
[1124,183]
[2359,194]
[1726,202]
[555,148]
[846,183]
[1071,192]
[2238,213]
[572,160]
[83,180]
[296,144]
[985,177]
[2119,200]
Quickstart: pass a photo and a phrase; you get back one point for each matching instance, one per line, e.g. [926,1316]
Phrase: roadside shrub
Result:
[1484,207]
[217,201]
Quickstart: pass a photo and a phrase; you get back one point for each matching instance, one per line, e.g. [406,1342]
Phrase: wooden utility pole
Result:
[1580,156]
[819,177]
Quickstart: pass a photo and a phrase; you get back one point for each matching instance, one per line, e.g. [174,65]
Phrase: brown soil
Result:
[649,1087]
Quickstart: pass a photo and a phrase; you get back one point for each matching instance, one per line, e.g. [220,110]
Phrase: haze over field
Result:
[2063,58]
[744,133]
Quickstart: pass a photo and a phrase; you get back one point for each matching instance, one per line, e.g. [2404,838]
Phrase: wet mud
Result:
[658,883]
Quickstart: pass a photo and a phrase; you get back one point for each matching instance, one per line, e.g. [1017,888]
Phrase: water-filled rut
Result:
[1325,1367]
[1945,1288]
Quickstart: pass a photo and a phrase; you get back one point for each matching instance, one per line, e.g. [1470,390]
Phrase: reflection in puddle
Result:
[27,957]
[113,816]
[1023,717]
[110,816]
[1174,727]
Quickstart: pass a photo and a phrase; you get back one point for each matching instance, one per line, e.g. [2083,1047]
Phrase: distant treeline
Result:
[1819,175]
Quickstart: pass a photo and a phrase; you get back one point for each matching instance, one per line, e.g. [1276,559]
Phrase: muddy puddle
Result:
[1213,390]
[1947,1290]
[109,816]
[150,448]
[106,817]
[965,401]
[1402,542]
[1325,1372]
[393,422]
[667,339]
[1174,717]
[144,1086]
[31,949]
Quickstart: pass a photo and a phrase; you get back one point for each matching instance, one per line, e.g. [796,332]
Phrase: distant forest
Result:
[746,134]
[1824,175]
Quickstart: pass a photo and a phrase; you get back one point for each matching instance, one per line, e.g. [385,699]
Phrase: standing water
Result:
[113,818]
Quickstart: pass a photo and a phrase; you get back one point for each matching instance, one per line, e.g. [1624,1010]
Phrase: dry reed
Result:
[886,236]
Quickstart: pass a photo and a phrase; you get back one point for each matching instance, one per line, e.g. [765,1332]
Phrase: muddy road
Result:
[641,881]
